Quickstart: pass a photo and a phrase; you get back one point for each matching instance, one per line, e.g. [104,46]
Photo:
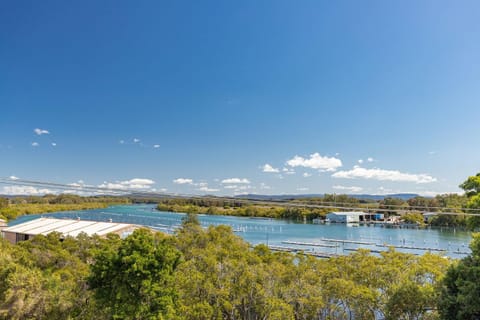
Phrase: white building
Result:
[345,217]
[66,227]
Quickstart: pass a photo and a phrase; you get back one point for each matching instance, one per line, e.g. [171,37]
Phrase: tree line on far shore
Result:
[411,210]
[212,273]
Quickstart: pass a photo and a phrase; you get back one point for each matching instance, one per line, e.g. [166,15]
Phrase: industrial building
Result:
[346,217]
[66,227]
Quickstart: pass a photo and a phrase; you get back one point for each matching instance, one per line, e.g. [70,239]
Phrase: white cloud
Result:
[270,169]
[244,187]
[302,189]
[39,132]
[54,144]
[13,178]
[183,181]
[316,161]
[135,140]
[121,141]
[382,191]
[75,184]
[383,175]
[430,193]
[136,183]
[25,190]
[207,189]
[79,183]
[306,174]
[349,189]
[35,144]
[360,161]
[288,171]
[235,180]
[238,188]
[264,186]
[156,146]
[370,159]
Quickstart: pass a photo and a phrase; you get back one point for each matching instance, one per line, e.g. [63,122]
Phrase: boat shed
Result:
[66,227]
[346,217]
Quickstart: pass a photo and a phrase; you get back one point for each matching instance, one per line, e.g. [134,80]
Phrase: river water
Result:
[330,238]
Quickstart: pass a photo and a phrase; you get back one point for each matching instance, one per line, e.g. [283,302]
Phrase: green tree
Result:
[40,279]
[472,191]
[460,290]
[134,278]
[413,217]
[471,185]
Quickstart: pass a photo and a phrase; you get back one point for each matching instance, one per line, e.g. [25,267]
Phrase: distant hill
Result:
[403,196]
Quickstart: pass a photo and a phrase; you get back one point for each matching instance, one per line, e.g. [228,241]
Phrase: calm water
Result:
[276,232]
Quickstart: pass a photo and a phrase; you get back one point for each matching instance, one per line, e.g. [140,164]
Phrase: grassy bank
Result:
[15,210]
[244,210]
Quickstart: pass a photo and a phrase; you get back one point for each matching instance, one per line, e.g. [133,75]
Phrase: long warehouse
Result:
[66,227]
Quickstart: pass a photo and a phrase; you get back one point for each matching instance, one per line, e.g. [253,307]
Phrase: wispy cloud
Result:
[35,144]
[207,189]
[54,144]
[268,168]
[316,161]
[306,175]
[136,183]
[288,171]
[39,131]
[349,189]
[25,190]
[183,181]
[302,189]
[156,146]
[383,175]
[264,186]
[235,181]
[136,140]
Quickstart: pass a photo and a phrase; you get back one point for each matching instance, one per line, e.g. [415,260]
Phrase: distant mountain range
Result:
[403,196]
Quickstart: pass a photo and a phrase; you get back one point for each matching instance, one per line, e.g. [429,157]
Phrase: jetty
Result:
[310,244]
[411,247]
[349,241]
[317,254]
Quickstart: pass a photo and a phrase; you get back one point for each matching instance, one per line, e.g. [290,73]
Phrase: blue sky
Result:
[199,96]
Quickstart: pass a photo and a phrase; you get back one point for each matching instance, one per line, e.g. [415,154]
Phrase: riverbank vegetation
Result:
[239,208]
[213,274]
[11,208]
[459,208]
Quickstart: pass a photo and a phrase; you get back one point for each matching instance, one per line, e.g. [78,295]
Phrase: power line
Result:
[131,192]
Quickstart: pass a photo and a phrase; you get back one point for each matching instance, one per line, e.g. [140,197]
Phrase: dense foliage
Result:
[17,206]
[213,274]
[240,208]
[208,274]
[460,295]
